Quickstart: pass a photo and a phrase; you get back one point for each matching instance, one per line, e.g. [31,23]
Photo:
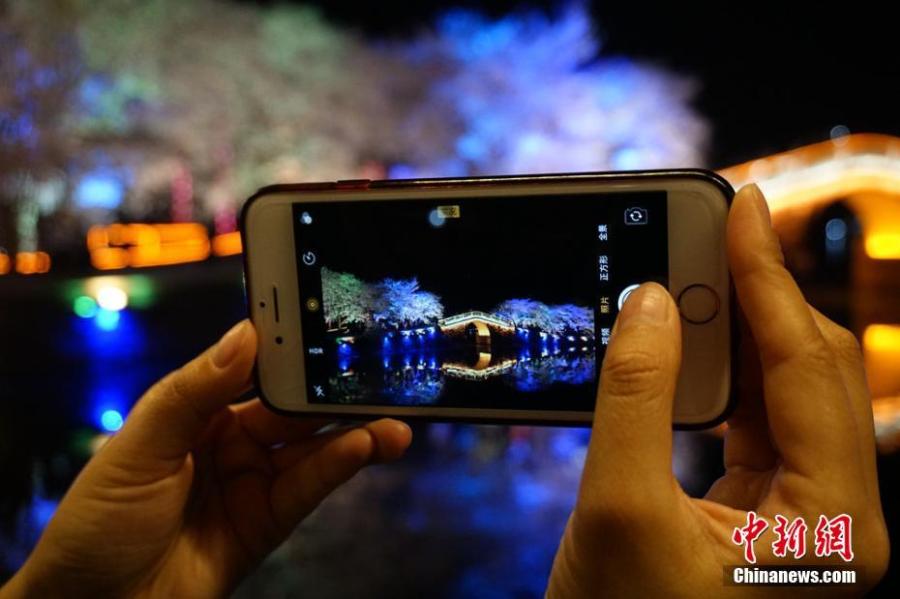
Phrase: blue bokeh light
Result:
[42,510]
[107,320]
[111,420]
[99,189]
[108,406]
[436,219]
[836,229]
[107,336]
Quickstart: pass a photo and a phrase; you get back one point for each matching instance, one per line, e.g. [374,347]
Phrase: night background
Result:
[132,132]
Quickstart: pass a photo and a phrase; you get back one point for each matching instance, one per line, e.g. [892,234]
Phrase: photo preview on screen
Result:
[497,302]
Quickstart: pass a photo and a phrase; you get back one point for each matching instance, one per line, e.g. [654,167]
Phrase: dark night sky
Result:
[774,75]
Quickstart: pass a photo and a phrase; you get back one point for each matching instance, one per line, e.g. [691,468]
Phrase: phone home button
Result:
[698,303]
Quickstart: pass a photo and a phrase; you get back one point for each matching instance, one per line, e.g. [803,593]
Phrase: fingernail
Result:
[229,344]
[402,428]
[762,206]
[648,303]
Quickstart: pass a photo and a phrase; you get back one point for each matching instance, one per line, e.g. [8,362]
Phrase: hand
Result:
[800,443]
[193,492]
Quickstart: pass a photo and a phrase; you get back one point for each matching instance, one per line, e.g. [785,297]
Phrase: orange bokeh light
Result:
[883,246]
[227,244]
[30,263]
[141,245]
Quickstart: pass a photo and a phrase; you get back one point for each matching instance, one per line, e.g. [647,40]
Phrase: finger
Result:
[268,428]
[749,453]
[850,365]
[298,490]
[169,419]
[849,359]
[747,441]
[804,396]
[630,453]
[391,445]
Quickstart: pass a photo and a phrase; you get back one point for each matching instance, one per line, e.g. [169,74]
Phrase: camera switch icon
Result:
[636,216]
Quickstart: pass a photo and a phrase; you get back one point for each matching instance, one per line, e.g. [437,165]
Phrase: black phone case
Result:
[461,182]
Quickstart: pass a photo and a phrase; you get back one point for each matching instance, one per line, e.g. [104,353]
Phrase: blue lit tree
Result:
[527,313]
[530,93]
[401,303]
[572,318]
[39,72]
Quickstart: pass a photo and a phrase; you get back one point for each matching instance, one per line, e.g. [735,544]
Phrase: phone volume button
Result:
[352,184]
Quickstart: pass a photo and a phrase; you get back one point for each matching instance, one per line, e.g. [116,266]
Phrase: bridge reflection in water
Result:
[420,377]
[414,366]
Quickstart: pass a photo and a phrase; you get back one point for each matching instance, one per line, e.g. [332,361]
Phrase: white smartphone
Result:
[481,299]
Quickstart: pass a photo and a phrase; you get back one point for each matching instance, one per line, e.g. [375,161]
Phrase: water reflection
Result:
[419,377]
[414,386]
[540,373]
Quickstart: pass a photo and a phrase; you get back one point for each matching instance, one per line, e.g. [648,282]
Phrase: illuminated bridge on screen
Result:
[480,319]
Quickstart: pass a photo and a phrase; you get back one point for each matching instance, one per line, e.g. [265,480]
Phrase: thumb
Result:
[168,420]
[629,459]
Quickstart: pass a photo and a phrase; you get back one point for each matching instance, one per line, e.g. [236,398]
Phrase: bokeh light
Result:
[112,298]
[107,320]
[111,420]
[85,306]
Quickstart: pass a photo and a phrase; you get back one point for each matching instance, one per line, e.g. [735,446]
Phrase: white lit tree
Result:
[400,302]
[425,307]
[525,313]
[346,300]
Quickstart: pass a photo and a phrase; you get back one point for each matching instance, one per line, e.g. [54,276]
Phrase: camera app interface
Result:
[502,303]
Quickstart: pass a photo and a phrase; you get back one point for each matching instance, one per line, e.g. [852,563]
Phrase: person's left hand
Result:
[193,492]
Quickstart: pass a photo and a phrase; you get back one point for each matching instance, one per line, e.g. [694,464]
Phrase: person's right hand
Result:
[801,443]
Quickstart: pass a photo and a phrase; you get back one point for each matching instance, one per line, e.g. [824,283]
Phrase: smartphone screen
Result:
[478,302]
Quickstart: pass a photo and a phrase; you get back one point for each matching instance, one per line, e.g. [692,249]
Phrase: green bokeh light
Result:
[141,291]
[84,306]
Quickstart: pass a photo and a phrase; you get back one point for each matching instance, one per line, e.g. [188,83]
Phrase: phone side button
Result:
[352,184]
[698,303]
